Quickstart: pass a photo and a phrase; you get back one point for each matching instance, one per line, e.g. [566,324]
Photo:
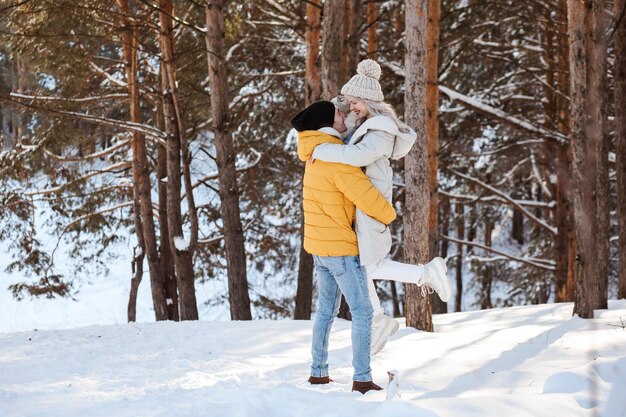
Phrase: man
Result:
[330,194]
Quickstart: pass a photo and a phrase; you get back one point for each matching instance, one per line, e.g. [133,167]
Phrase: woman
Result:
[379,136]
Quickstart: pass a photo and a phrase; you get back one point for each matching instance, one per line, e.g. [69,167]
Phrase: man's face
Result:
[339,124]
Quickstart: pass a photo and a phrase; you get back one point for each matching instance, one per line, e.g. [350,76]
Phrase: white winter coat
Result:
[371,146]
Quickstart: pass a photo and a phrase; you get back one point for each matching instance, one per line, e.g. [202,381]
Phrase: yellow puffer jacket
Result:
[330,194]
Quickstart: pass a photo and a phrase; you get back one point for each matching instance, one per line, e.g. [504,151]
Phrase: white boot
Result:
[383,327]
[435,277]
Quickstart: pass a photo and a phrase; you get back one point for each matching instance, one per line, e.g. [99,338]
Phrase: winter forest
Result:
[167,124]
[147,149]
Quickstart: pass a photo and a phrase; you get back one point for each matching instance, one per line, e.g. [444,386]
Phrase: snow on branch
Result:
[71,100]
[94,155]
[489,111]
[113,168]
[492,199]
[507,198]
[120,124]
[538,263]
[220,237]
[502,116]
[96,213]
[215,174]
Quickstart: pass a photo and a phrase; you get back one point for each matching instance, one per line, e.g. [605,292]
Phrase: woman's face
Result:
[358,107]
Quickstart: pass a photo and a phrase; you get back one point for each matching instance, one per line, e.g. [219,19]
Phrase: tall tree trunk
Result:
[372,16]
[590,158]
[445,226]
[167,258]
[332,71]
[417,194]
[395,300]
[460,235]
[304,291]
[332,48]
[176,147]
[229,193]
[141,168]
[312,72]
[564,218]
[351,22]
[432,134]
[620,138]
[487,278]
[137,262]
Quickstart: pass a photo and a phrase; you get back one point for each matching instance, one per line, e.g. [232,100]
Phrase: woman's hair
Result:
[380,108]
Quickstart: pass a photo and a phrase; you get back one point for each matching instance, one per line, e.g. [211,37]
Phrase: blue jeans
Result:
[337,275]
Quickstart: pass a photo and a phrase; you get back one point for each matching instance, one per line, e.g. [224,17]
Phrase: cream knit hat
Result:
[365,83]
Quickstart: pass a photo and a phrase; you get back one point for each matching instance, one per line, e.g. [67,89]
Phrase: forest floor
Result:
[519,361]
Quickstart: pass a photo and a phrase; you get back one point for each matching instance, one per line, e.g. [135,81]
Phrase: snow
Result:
[181,243]
[519,361]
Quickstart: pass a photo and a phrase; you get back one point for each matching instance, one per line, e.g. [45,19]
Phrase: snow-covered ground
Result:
[519,361]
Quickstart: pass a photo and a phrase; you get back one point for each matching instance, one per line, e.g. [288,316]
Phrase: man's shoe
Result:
[320,380]
[435,277]
[383,327]
[364,387]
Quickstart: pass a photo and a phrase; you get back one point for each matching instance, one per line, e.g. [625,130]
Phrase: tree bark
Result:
[619,78]
[304,290]
[432,134]
[460,234]
[351,23]
[332,48]
[487,278]
[416,214]
[312,84]
[137,262]
[144,224]
[372,15]
[167,260]
[565,283]
[229,193]
[183,254]
[590,158]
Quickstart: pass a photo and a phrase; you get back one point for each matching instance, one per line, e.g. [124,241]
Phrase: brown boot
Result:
[320,380]
[364,387]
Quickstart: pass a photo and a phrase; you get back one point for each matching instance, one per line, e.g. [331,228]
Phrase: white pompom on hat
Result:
[365,83]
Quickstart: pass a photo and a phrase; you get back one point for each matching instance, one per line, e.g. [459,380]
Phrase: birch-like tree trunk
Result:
[181,247]
[332,48]
[144,223]
[587,30]
[225,155]
[620,138]
[416,216]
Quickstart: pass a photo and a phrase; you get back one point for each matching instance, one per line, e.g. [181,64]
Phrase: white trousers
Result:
[392,271]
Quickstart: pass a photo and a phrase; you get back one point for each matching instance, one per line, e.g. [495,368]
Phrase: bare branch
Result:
[547,265]
[492,199]
[119,166]
[94,155]
[506,197]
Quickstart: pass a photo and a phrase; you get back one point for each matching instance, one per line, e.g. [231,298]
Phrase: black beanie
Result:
[318,115]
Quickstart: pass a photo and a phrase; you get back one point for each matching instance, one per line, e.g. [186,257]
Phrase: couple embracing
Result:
[347,209]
